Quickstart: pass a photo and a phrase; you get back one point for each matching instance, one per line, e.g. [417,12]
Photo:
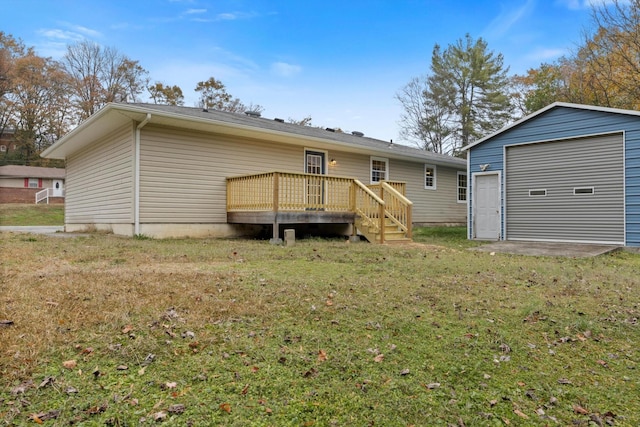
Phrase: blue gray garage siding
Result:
[566,121]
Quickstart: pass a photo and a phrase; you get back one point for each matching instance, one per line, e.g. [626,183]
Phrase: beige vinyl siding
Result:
[430,206]
[183,174]
[99,184]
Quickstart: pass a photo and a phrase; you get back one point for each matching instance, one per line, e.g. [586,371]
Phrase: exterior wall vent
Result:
[279,120]
[253,113]
[357,133]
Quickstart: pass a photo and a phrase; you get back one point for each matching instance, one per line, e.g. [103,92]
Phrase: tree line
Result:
[42,99]
[466,94]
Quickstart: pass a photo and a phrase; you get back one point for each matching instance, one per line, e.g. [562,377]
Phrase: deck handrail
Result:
[399,208]
[370,207]
[42,195]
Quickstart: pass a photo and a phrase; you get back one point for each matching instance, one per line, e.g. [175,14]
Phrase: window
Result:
[462,186]
[3,148]
[583,190]
[538,193]
[379,169]
[430,177]
[33,183]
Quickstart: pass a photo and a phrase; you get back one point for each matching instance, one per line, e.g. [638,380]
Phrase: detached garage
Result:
[567,173]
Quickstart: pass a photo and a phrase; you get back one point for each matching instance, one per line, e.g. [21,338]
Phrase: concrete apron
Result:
[574,250]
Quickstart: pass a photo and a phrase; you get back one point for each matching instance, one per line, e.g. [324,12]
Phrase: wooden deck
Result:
[380,213]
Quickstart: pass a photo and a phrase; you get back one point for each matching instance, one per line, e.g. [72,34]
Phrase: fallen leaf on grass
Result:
[159,416]
[379,358]
[171,384]
[47,381]
[520,414]
[245,389]
[226,407]
[176,409]
[310,373]
[431,386]
[580,410]
[322,356]
[96,409]
[602,363]
[564,381]
[70,364]
[22,388]
[127,329]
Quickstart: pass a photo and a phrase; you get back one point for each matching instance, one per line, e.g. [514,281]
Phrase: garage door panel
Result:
[558,167]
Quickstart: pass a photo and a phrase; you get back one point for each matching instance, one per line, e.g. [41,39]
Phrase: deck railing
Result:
[289,191]
[286,191]
[43,195]
[398,208]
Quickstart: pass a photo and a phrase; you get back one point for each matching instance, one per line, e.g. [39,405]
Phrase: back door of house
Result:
[315,164]
[486,206]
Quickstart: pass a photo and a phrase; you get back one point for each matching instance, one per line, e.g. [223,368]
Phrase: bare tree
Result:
[101,75]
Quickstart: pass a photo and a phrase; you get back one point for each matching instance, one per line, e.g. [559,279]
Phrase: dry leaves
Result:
[70,364]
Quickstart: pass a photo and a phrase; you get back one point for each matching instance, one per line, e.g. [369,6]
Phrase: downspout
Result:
[136,185]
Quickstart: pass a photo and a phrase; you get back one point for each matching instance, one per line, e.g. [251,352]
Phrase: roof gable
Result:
[555,105]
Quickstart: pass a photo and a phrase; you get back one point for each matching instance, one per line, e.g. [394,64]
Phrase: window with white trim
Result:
[462,187]
[379,169]
[33,182]
[430,177]
[3,148]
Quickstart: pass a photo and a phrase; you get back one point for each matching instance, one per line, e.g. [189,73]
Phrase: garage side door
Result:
[569,190]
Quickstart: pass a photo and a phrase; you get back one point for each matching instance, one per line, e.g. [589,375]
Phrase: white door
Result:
[486,207]
[315,164]
[58,188]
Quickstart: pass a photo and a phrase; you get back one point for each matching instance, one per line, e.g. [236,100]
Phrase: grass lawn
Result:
[31,214]
[104,330]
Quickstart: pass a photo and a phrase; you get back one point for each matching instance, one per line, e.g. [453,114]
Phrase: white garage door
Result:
[567,190]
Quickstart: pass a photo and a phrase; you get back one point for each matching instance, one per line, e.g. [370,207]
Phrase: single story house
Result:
[31,184]
[171,171]
[566,173]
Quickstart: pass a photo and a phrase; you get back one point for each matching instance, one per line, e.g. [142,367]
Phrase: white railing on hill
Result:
[43,195]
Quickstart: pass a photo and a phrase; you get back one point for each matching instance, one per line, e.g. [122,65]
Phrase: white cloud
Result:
[283,69]
[502,23]
[72,33]
[195,11]
[545,54]
[227,16]
[588,4]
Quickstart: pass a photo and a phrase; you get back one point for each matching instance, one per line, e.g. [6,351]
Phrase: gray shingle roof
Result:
[304,131]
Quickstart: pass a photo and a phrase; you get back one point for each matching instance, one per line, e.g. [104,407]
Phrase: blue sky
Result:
[339,61]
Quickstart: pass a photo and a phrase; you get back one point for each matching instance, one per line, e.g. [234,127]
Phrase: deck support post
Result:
[276,240]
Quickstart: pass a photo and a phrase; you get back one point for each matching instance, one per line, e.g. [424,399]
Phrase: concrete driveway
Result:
[43,229]
[574,250]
